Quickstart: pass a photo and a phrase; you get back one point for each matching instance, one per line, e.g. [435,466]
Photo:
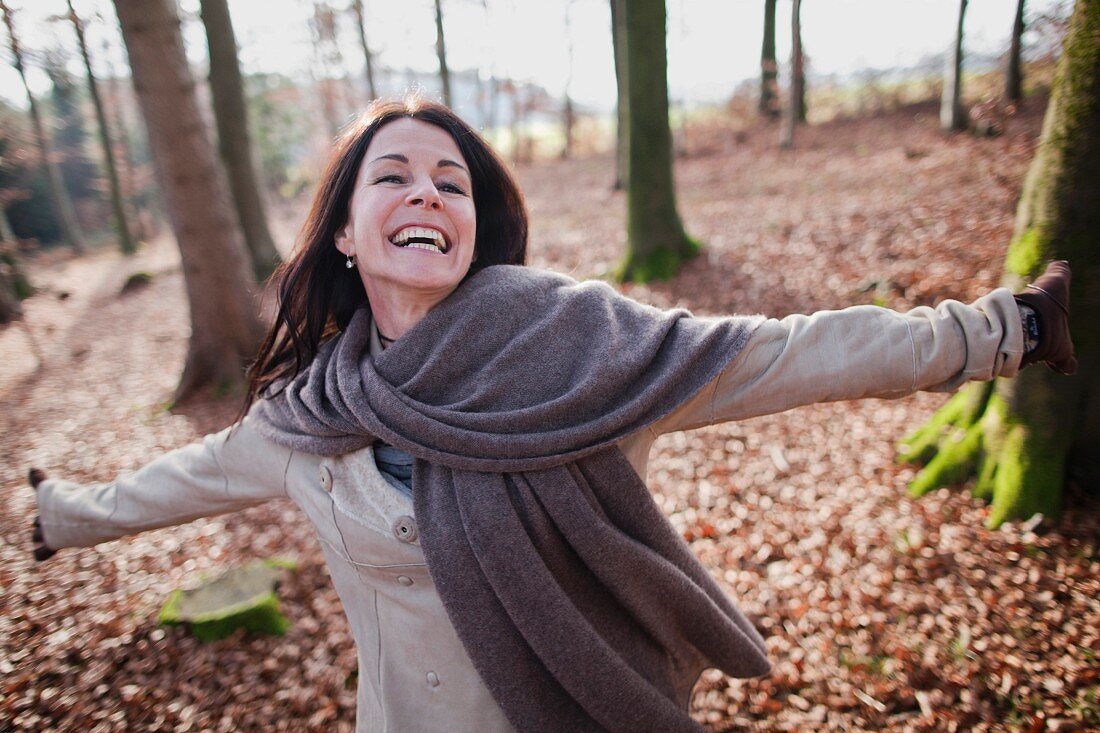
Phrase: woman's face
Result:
[411,221]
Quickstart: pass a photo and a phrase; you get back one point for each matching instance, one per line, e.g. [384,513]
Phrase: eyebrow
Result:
[444,163]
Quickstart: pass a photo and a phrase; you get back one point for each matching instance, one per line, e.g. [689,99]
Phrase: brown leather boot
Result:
[1048,298]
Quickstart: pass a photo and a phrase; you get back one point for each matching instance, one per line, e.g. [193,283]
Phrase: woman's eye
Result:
[392,178]
[452,188]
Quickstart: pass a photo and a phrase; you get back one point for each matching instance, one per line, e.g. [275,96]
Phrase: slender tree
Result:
[63,205]
[1014,82]
[568,113]
[795,111]
[234,142]
[122,225]
[441,52]
[361,26]
[656,241]
[1024,438]
[769,69]
[622,99]
[952,114]
[225,330]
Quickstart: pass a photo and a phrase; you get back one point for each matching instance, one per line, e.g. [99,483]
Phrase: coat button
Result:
[326,479]
[433,679]
[404,529]
[404,580]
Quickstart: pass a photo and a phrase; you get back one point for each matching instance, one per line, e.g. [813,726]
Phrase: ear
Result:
[343,240]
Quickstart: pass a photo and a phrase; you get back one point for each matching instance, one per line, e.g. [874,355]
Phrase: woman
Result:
[469,438]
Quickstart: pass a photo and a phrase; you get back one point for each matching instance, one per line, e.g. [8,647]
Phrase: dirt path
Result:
[880,613]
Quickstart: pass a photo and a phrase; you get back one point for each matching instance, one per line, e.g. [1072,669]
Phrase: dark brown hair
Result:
[317,294]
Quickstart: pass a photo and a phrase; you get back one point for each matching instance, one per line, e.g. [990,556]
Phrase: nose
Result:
[424,194]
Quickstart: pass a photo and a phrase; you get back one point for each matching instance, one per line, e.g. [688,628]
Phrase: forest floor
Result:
[880,612]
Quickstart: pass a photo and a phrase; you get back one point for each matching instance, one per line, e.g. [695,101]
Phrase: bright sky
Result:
[713,44]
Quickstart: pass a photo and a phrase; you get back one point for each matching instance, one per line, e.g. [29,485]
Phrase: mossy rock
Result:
[238,598]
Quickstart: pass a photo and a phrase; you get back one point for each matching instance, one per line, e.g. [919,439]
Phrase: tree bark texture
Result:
[622,104]
[126,241]
[234,142]
[952,114]
[59,196]
[225,330]
[361,27]
[769,69]
[1014,80]
[441,52]
[656,241]
[1024,438]
[795,111]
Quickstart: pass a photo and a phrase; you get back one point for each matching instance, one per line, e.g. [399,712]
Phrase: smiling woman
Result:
[469,438]
[411,225]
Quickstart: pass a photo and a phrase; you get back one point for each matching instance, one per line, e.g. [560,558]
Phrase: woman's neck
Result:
[395,313]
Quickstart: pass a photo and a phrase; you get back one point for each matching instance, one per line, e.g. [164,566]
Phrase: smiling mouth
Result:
[430,240]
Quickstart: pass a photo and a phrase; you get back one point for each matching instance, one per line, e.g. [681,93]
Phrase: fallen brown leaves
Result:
[880,613]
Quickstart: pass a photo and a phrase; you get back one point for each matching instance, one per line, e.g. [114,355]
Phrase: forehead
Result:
[414,139]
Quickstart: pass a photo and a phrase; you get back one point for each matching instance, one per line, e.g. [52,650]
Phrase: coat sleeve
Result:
[226,471]
[863,351]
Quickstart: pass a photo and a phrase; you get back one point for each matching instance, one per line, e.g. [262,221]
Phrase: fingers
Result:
[41,551]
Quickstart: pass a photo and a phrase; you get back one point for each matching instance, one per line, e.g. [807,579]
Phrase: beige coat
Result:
[414,674]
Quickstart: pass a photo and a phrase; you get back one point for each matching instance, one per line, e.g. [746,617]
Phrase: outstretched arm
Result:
[863,351]
[226,471]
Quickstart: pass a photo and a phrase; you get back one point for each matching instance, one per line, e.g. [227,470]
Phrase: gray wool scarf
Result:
[579,605]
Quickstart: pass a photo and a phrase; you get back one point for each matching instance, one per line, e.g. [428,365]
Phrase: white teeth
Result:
[401,239]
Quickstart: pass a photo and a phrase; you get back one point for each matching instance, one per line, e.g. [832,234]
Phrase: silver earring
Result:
[351,262]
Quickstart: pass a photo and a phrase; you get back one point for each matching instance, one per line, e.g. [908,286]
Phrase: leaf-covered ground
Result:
[880,613]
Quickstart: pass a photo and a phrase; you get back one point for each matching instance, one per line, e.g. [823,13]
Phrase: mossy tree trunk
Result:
[952,114]
[234,143]
[1024,438]
[656,241]
[225,329]
[126,241]
[769,69]
[1014,78]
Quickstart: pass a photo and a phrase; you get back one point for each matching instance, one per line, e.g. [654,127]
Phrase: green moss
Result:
[1028,479]
[961,411]
[1028,253]
[954,463]
[239,598]
[660,264]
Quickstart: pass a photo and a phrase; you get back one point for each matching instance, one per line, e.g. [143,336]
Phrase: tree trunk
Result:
[952,114]
[1024,438]
[568,113]
[126,241]
[225,330]
[1014,84]
[361,26]
[796,105]
[63,205]
[441,52]
[769,69]
[656,241]
[622,104]
[14,285]
[231,116]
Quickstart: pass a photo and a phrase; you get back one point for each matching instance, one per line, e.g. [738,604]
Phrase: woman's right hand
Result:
[41,551]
